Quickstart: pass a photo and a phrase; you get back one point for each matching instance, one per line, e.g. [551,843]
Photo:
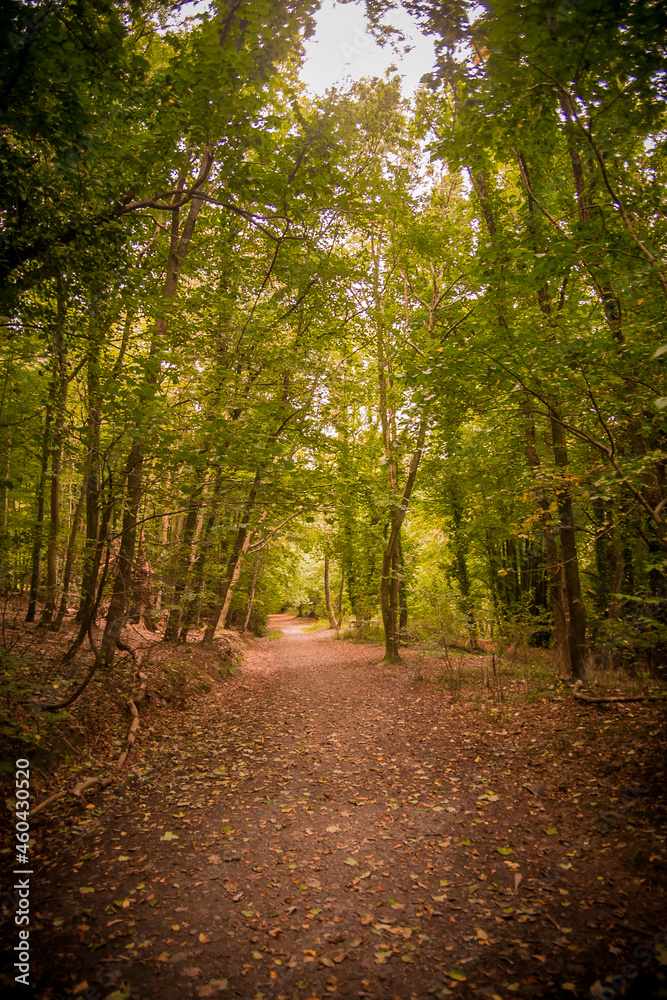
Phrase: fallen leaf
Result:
[457,975]
[351,861]
[505,851]
[169,836]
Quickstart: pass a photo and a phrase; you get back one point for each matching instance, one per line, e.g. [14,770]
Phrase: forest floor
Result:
[323,825]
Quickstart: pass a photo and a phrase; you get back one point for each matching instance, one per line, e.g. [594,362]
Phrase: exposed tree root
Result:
[77,791]
[104,780]
[131,736]
[576,691]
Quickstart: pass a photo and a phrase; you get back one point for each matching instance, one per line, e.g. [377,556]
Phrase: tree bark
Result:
[557,597]
[339,602]
[60,401]
[327,594]
[575,603]
[402,596]
[122,590]
[251,594]
[218,614]
[39,520]
[4,541]
[91,550]
[175,612]
[199,566]
[389,582]
[69,559]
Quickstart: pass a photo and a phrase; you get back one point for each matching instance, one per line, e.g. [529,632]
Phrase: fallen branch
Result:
[576,692]
[462,649]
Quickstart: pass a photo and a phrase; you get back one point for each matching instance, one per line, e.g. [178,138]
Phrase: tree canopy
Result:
[392,359]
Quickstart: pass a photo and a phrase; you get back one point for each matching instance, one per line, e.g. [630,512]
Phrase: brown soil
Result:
[324,825]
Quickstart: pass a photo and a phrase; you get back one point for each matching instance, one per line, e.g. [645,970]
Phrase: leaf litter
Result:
[316,761]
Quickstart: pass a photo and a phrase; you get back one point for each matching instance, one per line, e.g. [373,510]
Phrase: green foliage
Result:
[282,307]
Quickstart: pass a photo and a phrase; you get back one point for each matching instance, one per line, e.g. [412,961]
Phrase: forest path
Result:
[328,826]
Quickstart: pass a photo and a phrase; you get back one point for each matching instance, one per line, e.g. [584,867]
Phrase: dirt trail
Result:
[326,826]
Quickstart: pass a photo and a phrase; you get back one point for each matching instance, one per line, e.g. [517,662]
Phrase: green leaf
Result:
[505,851]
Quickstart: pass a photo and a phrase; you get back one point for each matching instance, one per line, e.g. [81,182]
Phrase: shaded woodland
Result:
[393,361]
[333,513]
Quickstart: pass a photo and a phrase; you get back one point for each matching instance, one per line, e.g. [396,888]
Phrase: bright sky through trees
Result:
[342,48]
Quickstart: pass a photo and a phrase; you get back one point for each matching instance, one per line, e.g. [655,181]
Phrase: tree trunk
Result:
[339,602]
[251,594]
[175,612]
[178,249]
[39,521]
[575,603]
[91,609]
[60,393]
[218,614]
[327,594]
[69,559]
[142,587]
[557,598]
[123,582]
[198,576]
[92,551]
[389,579]
[4,540]
[402,596]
